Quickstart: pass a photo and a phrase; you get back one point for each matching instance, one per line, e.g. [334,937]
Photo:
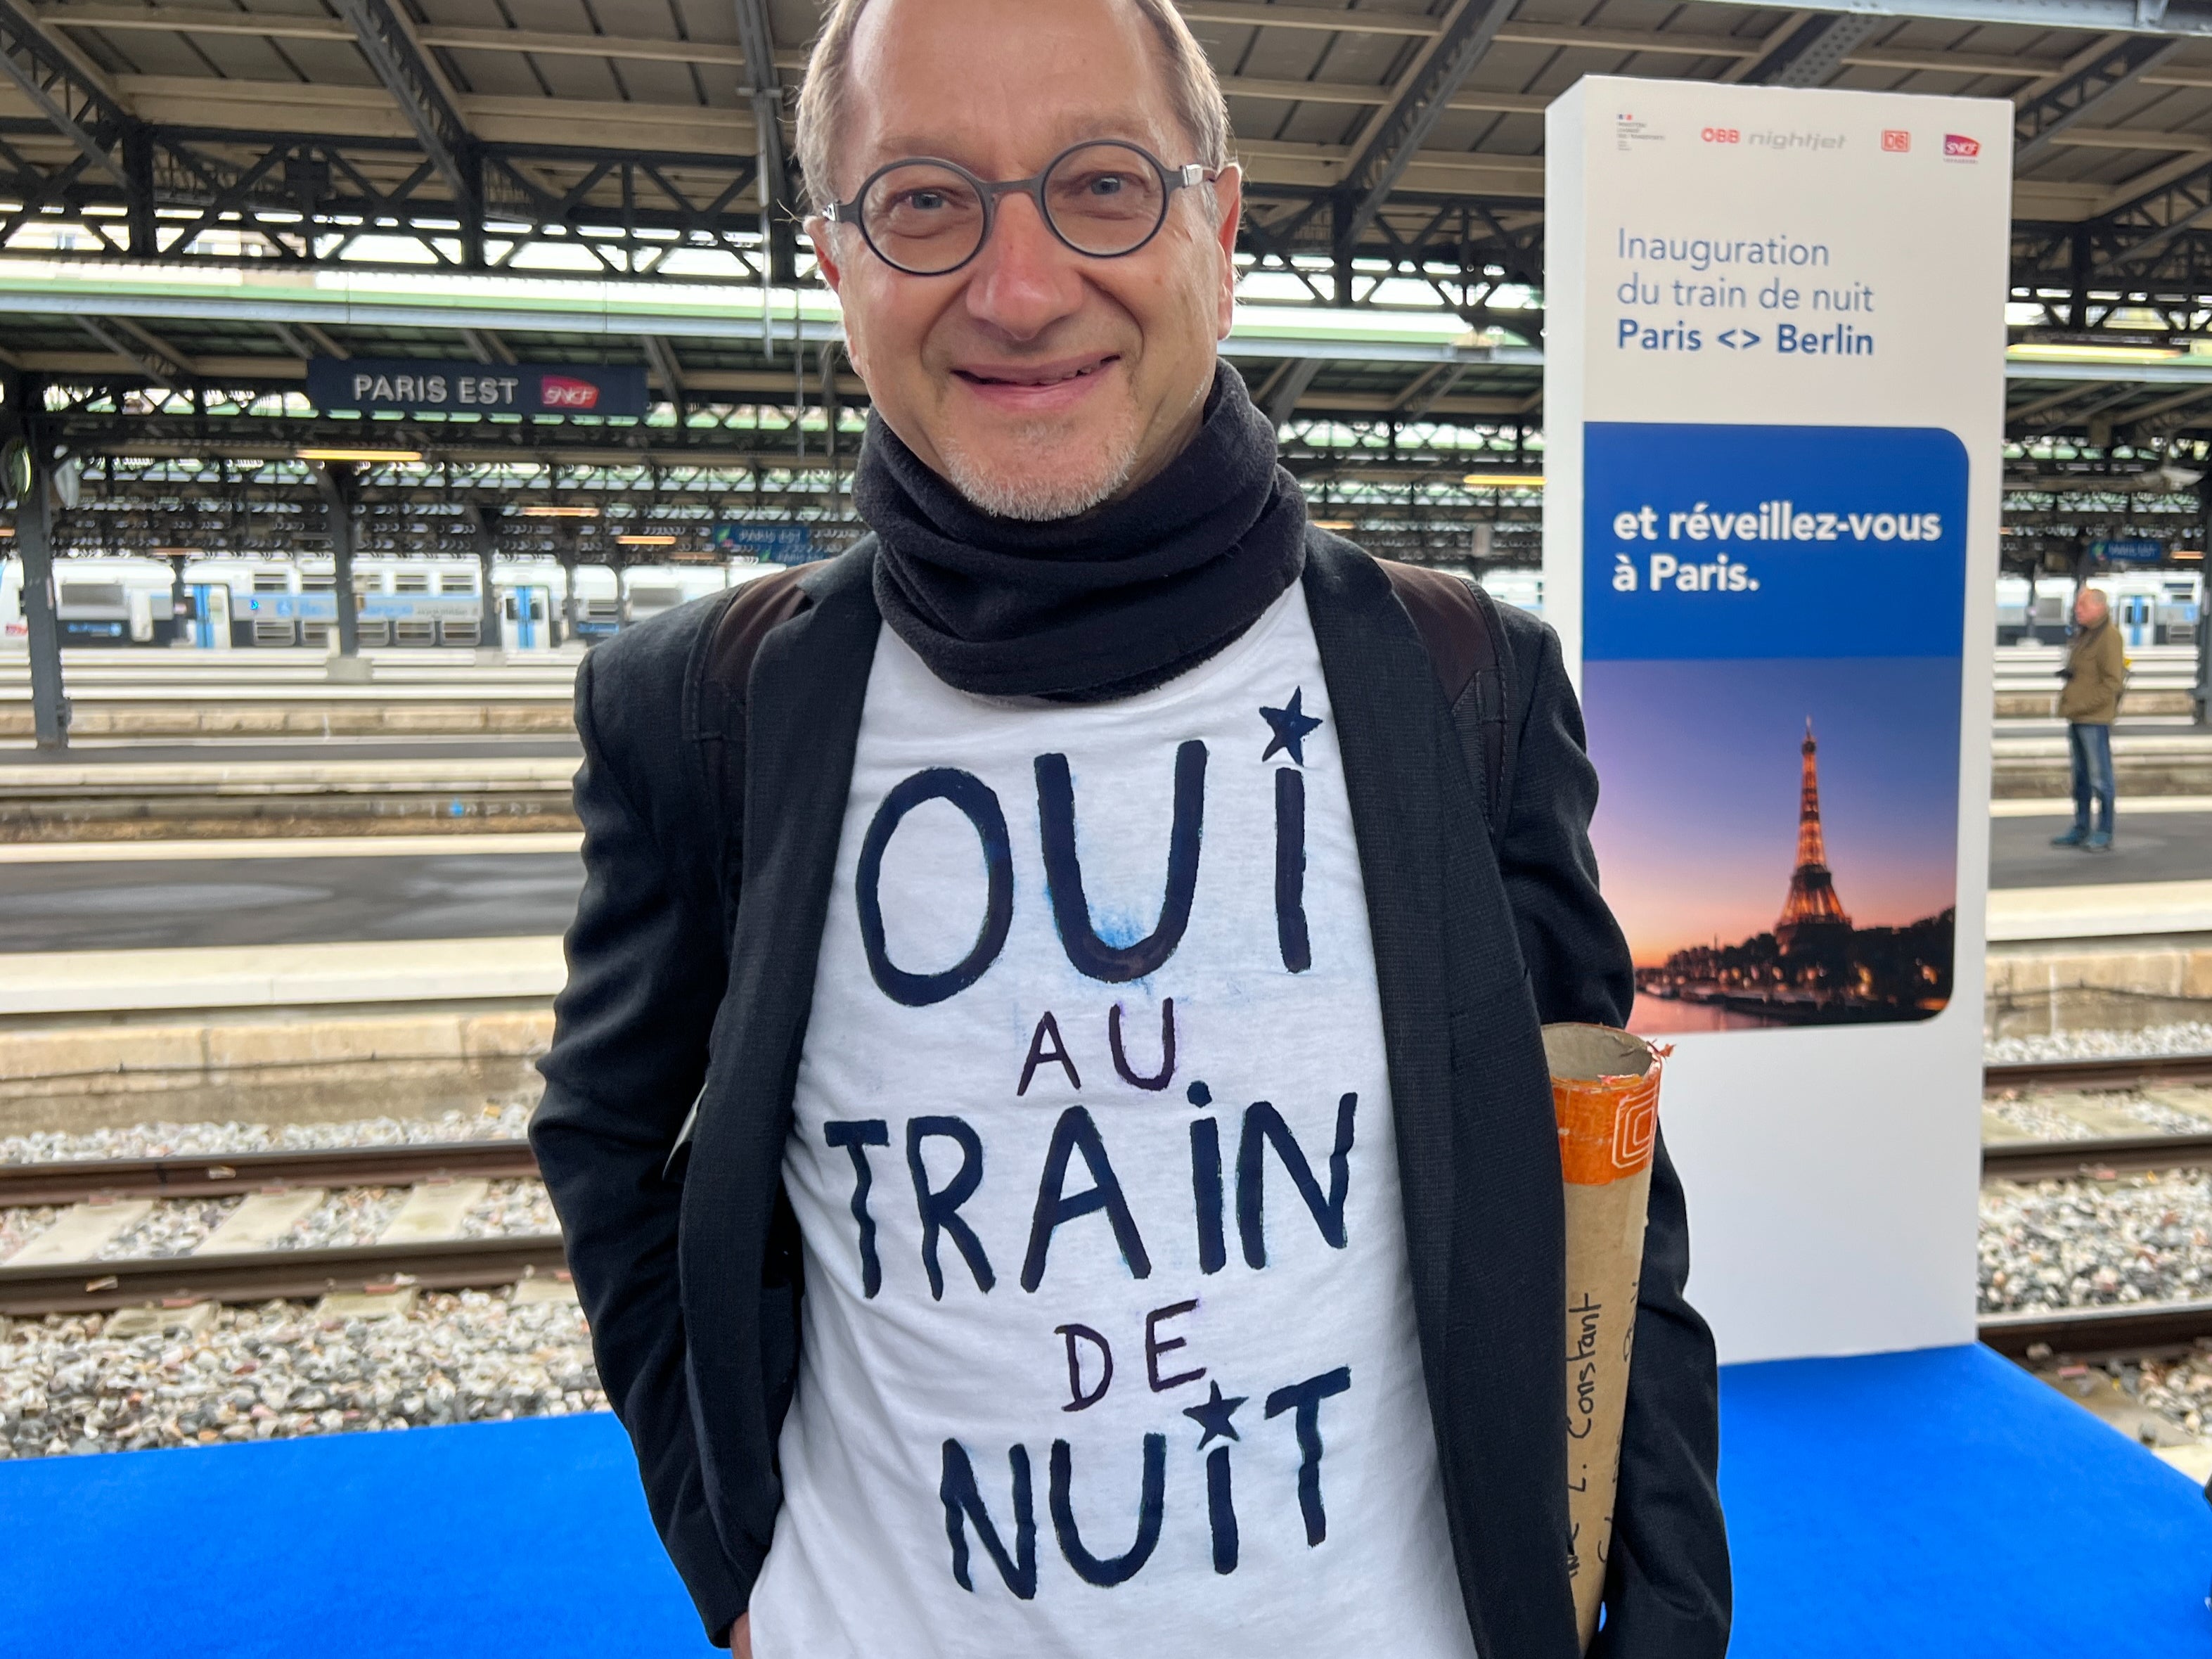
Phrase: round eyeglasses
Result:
[1102,198]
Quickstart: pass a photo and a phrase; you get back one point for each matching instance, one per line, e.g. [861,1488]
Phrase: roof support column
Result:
[490,637]
[50,708]
[339,493]
[2202,691]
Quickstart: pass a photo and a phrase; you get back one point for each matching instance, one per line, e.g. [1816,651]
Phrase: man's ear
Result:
[823,235]
[819,231]
[1229,202]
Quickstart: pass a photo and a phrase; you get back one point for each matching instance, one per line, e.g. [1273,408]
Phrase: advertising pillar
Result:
[1774,418]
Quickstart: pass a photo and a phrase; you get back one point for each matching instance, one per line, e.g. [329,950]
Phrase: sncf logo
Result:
[1957,147]
[1896,141]
[563,392]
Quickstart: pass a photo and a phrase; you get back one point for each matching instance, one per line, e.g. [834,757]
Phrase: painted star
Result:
[1213,1416]
[1291,726]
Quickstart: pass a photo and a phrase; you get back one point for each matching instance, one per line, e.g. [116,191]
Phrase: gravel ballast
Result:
[497,1121]
[2095,1244]
[2191,1037]
[278,1370]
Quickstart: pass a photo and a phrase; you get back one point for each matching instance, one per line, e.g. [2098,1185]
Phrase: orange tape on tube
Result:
[1608,1125]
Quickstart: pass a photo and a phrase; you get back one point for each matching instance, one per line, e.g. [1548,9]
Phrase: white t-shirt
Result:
[1108,1338]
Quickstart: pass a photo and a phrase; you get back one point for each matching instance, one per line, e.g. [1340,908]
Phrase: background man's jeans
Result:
[2091,749]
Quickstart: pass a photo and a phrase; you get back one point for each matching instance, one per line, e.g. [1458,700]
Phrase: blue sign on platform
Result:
[779,543]
[2128,550]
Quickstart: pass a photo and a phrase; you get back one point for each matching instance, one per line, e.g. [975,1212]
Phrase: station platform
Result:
[1942,1503]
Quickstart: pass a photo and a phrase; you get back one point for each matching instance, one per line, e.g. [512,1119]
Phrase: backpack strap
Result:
[715,685]
[1457,620]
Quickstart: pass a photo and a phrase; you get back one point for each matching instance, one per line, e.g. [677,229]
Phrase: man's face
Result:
[1038,380]
[2089,607]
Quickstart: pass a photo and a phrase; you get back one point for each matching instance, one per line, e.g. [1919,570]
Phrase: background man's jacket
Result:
[690,1273]
[2096,671]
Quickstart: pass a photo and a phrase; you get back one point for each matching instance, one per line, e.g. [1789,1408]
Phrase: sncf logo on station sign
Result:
[1957,147]
[565,392]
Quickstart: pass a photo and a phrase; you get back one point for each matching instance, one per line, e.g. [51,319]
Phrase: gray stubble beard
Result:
[1008,494]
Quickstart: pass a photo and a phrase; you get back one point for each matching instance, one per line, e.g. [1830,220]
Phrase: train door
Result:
[2138,618]
[210,619]
[528,609]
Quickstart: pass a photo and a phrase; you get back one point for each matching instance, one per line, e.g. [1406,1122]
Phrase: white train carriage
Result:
[2152,607]
[242,603]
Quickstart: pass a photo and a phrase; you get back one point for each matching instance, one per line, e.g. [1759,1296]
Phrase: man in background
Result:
[2095,673]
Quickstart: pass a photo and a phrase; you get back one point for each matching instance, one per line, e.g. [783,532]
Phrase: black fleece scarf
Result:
[1113,602]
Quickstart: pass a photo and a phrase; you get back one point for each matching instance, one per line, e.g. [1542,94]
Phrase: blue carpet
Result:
[1944,1502]
[1939,1503]
[527,1539]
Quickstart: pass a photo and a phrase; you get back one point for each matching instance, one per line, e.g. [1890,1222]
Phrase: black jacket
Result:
[689,1277]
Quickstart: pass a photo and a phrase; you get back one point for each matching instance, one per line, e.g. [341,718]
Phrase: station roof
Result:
[566,179]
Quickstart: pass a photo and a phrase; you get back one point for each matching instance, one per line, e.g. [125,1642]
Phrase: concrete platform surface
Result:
[280,975]
[290,847]
[201,775]
[2161,847]
[2099,912]
[456,891]
[312,750]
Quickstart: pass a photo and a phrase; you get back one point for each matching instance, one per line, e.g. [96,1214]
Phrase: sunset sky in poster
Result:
[1696,822]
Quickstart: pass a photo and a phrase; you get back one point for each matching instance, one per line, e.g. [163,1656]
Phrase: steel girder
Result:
[1388,144]
[445,138]
[309,200]
[2039,121]
[1815,51]
[140,190]
[778,205]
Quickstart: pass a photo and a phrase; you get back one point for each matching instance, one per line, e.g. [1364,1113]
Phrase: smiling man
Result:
[1048,1110]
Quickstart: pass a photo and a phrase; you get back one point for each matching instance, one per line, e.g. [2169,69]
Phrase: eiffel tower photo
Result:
[1812,914]
[1816,966]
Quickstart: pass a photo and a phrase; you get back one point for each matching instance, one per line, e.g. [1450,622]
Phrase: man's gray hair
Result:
[824,96]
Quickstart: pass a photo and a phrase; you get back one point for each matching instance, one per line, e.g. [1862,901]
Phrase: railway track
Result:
[262,1274]
[2136,1329]
[461,1263]
[2119,1073]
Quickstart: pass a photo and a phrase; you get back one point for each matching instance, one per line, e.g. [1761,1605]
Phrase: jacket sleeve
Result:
[1667,1593]
[646,966]
[2112,664]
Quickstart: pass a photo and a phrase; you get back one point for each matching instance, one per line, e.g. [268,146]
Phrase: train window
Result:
[271,582]
[317,584]
[458,582]
[410,581]
[656,598]
[93,595]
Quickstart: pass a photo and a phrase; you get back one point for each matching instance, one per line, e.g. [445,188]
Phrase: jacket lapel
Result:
[1378,675]
[803,709]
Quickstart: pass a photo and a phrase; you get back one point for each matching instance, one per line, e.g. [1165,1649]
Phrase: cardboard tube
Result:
[1605,1089]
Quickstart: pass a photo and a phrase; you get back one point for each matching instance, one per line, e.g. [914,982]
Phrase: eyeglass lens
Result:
[1101,200]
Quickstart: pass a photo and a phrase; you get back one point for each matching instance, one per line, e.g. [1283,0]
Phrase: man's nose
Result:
[1025,279]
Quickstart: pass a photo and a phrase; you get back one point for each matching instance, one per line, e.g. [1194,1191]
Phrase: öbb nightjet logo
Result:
[1895,141]
[1957,147]
[564,392]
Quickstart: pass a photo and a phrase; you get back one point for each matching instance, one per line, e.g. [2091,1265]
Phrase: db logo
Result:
[1721,136]
[1895,142]
[1959,147]
[560,392]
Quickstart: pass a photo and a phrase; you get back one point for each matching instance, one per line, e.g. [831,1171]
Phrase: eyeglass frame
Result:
[1190,175]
